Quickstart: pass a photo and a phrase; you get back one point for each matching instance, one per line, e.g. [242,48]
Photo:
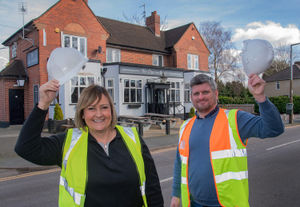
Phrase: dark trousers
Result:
[194,204]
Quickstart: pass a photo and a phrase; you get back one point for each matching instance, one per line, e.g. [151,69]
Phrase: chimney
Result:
[153,22]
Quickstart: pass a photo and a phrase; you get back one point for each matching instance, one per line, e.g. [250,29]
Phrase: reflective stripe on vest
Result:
[228,159]
[134,146]
[76,196]
[72,188]
[69,195]
[183,148]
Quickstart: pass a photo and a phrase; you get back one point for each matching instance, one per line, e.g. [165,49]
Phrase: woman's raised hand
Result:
[47,93]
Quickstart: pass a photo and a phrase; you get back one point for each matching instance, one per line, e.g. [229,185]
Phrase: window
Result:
[175,92]
[132,91]
[32,58]
[110,88]
[187,93]
[78,43]
[35,94]
[78,83]
[277,85]
[192,61]
[157,60]
[113,55]
[14,50]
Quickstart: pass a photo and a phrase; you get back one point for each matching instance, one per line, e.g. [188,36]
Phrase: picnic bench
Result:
[161,119]
[143,123]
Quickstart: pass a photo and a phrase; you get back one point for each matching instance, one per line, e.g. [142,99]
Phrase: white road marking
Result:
[166,179]
[24,175]
[281,145]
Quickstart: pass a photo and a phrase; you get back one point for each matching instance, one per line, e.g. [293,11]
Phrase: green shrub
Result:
[58,114]
[192,112]
[279,101]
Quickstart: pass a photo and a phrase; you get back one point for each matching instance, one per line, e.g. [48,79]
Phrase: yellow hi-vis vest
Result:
[73,177]
[228,159]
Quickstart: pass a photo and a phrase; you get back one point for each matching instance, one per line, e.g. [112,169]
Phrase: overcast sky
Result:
[276,21]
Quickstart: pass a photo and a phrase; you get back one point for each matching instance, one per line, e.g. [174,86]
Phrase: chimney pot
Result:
[153,22]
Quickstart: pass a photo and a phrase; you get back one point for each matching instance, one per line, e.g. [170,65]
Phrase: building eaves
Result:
[284,74]
[27,29]
[15,69]
[173,35]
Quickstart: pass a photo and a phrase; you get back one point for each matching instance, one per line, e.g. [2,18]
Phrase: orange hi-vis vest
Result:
[228,159]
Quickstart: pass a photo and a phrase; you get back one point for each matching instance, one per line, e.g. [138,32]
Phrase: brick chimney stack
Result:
[153,22]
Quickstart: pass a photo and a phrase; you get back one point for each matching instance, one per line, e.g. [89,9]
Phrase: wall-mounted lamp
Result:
[20,82]
[103,71]
[99,50]
[163,78]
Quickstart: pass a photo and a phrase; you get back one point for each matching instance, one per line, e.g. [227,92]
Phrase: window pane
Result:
[110,83]
[154,60]
[196,62]
[74,96]
[139,95]
[67,41]
[177,95]
[160,60]
[82,46]
[173,85]
[108,55]
[74,81]
[139,84]
[82,81]
[81,89]
[132,83]
[177,84]
[117,58]
[32,58]
[35,94]
[75,42]
[173,95]
[189,61]
[91,80]
[133,95]
[126,83]
[111,93]
[126,95]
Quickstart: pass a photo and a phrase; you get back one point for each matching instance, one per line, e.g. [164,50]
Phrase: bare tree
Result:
[140,19]
[135,19]
[281,59]
[218,40]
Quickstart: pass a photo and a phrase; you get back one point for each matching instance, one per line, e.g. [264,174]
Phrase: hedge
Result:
[279,101]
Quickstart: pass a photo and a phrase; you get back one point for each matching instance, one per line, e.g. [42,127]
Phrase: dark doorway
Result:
[158,98]
[16,106]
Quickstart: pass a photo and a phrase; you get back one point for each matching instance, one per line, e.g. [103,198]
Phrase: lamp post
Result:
[291,83]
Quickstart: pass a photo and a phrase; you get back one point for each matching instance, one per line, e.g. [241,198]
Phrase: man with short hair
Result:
[211,163]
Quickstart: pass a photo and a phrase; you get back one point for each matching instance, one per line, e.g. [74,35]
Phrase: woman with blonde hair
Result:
[102,164]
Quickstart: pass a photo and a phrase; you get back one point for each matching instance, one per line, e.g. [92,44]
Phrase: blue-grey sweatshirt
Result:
[200,175]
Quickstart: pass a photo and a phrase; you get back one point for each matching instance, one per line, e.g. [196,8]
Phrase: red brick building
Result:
[143,68]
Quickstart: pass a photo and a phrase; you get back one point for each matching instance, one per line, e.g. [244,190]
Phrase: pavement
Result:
[11,164]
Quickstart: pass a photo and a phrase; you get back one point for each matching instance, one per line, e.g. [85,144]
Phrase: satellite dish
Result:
[257,56]
[64,64]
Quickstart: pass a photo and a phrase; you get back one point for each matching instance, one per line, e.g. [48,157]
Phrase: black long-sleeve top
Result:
[113,180]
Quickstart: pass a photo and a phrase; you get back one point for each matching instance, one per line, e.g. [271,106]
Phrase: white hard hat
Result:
[64,64]
[257,56]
